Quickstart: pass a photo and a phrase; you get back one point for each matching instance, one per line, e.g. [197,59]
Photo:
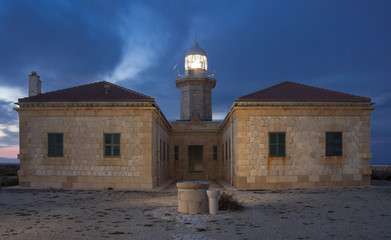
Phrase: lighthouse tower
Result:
[196,86]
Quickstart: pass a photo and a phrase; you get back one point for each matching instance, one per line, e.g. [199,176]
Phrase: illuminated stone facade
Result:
[305,163]
[286,136]
[83,164]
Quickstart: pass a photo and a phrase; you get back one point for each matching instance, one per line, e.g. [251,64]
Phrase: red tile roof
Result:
[297,92]
[93,92]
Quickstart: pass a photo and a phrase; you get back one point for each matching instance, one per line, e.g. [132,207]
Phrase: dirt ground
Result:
[338,213]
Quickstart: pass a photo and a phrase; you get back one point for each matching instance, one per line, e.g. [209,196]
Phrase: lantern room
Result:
[196,61]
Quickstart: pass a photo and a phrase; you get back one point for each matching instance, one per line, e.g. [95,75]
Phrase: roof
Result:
[93,92]
[297,92]
[196,49]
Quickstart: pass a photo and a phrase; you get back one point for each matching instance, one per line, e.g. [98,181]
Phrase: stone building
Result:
[101,135]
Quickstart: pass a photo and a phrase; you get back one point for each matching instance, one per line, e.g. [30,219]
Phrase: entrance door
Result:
[195,159]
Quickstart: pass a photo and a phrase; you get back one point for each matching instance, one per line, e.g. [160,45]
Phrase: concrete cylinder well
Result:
[192,197]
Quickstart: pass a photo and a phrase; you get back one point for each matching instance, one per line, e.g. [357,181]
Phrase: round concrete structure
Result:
[192,197]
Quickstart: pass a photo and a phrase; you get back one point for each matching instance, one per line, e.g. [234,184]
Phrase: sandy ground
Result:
[339,213]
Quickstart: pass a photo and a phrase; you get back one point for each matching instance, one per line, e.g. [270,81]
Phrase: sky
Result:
[333,44]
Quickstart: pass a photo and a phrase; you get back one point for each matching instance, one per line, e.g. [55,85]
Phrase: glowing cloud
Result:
[219,115]
[10,94]
[144,37]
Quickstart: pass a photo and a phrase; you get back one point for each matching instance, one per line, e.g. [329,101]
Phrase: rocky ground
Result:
[338,213]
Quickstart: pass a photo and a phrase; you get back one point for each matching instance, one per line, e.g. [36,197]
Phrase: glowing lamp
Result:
[195,61]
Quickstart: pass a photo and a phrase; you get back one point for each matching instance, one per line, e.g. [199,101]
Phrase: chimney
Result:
[34,84]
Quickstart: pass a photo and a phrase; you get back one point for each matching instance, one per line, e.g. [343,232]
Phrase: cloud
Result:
[6,129]
[9,139]
[145,39]
[9,128]
[216,116]
[11,94]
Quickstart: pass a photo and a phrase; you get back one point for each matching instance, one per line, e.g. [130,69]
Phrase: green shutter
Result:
[214,152]
[112,144]
[277,144]
[176,152]
[59,144]
[55,144]
[333,143]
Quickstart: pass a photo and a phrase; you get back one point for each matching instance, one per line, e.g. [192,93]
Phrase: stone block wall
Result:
[148,141]
[305,163]
[196,100]
[196,97]
[229,145]
[160,150]
[83,165]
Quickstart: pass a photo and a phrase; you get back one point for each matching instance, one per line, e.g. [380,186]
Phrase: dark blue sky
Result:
[338,45]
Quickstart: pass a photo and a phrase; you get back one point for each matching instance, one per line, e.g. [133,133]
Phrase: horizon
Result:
[340,46]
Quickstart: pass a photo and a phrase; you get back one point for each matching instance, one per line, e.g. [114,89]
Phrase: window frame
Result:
[223,152]
[277,144]
[161,152]
[168,152]
[56,144]
[164,152]
[229,149]
[333,144]
[176,152]
[112,145]
[215,152]
[226,150]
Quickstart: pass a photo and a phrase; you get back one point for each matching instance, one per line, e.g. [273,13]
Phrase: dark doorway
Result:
[195,159]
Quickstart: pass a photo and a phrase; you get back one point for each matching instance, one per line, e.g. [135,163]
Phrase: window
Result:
[176,152]
[226,150]
[164,152]
[229,149]
[112,144]
[168,153]
[277,144]
[222,152]
[161,152]
[333,143]
[214,152]
[55,144]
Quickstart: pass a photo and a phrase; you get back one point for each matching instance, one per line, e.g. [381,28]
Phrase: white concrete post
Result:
[213,196]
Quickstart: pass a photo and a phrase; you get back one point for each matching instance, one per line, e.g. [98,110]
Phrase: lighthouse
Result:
[196,86]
